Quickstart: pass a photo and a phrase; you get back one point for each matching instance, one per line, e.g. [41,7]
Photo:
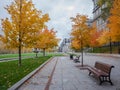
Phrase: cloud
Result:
[70,8]
[59,11]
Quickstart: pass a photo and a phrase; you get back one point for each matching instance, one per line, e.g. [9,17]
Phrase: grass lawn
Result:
[28,54]
[10,72]
[15,55]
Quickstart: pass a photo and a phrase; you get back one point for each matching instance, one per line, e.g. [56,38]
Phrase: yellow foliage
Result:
[47,39]
[80,31]
[114,21]
[75,44]
[104,37]
[23,26]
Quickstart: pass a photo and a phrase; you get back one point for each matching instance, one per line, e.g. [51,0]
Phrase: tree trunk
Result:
[36,52]
[19,55]
[82,56]
[110,46]
[43,51]
[36,55]
[81,53]
[19,51]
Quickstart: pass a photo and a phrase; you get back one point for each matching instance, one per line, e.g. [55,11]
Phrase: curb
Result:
[106,55]
[24,79]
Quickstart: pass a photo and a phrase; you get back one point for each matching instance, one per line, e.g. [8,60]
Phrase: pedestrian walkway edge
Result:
[23,80]
[102,54]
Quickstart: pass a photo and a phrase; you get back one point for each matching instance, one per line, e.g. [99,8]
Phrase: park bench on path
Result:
[101,71]
[77,59]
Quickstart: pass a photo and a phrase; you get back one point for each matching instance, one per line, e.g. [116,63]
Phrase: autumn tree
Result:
[94,35]
[25,22]
[103,38]
[47,40]
[80,32]
[114,22]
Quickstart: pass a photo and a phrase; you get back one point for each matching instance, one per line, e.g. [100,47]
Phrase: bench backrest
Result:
[104,67]
[77,57]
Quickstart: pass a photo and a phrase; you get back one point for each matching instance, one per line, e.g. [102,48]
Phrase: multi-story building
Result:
[100,23]
[89,22]
[97,20]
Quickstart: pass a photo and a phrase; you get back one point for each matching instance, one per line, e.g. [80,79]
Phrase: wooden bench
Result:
[102,71]
[77,59]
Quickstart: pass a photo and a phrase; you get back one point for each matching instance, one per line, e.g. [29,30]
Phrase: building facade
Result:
[89,22]
[97,20]
[65,45]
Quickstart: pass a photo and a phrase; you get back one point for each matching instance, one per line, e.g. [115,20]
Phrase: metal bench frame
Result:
[102,71]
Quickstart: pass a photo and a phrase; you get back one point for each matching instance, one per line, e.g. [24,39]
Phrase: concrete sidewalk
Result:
[61,73]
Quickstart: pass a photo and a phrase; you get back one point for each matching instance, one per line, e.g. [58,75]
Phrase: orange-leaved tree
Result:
[114,21]
[47,39]
[80,32]
[104,37]
[22,27]
[94,36]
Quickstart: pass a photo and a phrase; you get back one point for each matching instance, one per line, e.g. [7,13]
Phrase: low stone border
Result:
[102,54]
[23,80]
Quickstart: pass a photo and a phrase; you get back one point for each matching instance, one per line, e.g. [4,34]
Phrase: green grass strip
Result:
[10,72]
[16,55]
[28,54]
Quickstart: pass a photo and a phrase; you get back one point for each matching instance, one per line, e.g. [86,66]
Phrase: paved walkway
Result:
[61,73]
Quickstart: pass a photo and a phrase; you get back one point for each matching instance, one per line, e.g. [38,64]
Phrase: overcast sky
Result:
[59,11]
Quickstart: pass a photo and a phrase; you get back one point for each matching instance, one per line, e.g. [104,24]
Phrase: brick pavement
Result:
[67,76]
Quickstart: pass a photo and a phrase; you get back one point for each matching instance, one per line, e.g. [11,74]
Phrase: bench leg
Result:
[76,60]
[110,81]
[89,73]
[105,79]
[101,80]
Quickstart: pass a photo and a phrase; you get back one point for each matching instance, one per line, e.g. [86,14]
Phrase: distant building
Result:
[65,45]
[89,22]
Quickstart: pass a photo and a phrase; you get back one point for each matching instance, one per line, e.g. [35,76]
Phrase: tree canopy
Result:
[47,39]
[20,30]
[80,31]
[114,21]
